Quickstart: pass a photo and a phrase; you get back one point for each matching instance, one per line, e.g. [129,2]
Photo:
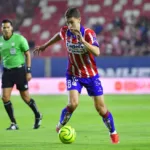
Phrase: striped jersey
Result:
[81,63]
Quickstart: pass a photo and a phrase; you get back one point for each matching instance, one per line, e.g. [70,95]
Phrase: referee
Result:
[14,50]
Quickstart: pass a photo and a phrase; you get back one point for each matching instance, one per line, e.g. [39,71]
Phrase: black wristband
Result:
[28,69]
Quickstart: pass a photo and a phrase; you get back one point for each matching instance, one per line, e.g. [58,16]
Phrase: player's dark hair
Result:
[72,12]
[7,21]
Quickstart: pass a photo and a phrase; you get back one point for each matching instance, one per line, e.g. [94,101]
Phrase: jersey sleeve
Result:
[90,37]
[62,32]
[24,44]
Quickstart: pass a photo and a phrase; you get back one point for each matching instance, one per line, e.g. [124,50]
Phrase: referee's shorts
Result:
[13,76]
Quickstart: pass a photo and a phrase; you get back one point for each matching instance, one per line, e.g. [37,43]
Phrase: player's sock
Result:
[10,111]
[64,118]
[109,122]
[65,115]
[34,108]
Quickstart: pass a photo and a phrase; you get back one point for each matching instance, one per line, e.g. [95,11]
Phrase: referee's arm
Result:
[28,59]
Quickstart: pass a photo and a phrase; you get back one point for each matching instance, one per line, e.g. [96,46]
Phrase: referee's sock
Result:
[34,108]
[10,111]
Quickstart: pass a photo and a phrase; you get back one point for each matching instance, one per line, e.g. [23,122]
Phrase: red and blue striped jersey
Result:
[81,63]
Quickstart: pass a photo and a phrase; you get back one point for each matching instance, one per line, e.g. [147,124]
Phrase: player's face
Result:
[7,29]
[73,23]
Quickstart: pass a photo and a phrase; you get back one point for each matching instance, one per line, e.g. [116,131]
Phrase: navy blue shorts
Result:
[92,85]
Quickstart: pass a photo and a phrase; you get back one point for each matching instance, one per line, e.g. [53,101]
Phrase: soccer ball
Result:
[67,135]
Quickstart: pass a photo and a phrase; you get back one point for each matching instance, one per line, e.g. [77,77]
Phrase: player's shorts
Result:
[92,85]
[14,76]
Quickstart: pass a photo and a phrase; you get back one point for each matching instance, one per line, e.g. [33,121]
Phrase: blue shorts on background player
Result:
[82,47]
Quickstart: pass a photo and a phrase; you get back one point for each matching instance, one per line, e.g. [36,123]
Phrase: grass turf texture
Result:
[131,114]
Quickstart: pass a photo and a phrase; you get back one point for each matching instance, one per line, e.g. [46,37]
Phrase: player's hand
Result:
[28,76]
[38,49]
[78,34]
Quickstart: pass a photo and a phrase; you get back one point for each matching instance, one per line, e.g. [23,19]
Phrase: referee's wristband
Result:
[28,69]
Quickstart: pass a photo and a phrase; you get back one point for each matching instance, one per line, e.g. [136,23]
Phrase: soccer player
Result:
[13,49]
[82,46]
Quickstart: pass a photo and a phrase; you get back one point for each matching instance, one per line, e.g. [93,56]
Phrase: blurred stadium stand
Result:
[122,26]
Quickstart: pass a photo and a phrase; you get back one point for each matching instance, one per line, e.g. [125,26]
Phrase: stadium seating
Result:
[48,17]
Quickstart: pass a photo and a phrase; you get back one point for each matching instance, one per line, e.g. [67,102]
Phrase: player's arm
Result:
[91,48]
[52,41]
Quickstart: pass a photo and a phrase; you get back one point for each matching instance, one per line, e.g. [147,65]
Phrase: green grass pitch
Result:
[131,114]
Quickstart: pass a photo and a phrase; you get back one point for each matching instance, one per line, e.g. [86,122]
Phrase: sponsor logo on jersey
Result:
[12,51]
[77,48]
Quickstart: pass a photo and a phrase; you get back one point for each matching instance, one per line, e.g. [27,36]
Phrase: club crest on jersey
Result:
[77,48]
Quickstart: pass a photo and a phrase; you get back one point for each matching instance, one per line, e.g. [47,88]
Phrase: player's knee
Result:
[101,109]
[74,105]
[5,98]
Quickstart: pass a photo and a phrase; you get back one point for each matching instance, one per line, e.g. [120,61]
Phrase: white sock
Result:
[114,132]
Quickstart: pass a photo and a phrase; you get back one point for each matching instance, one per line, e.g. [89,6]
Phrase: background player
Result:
[82,46]
[13,48]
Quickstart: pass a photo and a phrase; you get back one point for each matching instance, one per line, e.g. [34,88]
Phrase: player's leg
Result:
[73,99]
[74,88]
[31,103]
[95,90]
[7,85]
[107,117]
[67,112]
[103,111]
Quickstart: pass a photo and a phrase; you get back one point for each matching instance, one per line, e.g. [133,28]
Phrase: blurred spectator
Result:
[109,49]
[124,32]
[131,20]
[98,28]
[31,44]
[117,22]
[145,50]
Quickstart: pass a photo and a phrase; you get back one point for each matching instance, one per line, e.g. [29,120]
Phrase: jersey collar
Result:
[9,38]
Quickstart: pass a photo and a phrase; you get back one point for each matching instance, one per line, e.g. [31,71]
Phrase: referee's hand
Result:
[38,49]
[28,76]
